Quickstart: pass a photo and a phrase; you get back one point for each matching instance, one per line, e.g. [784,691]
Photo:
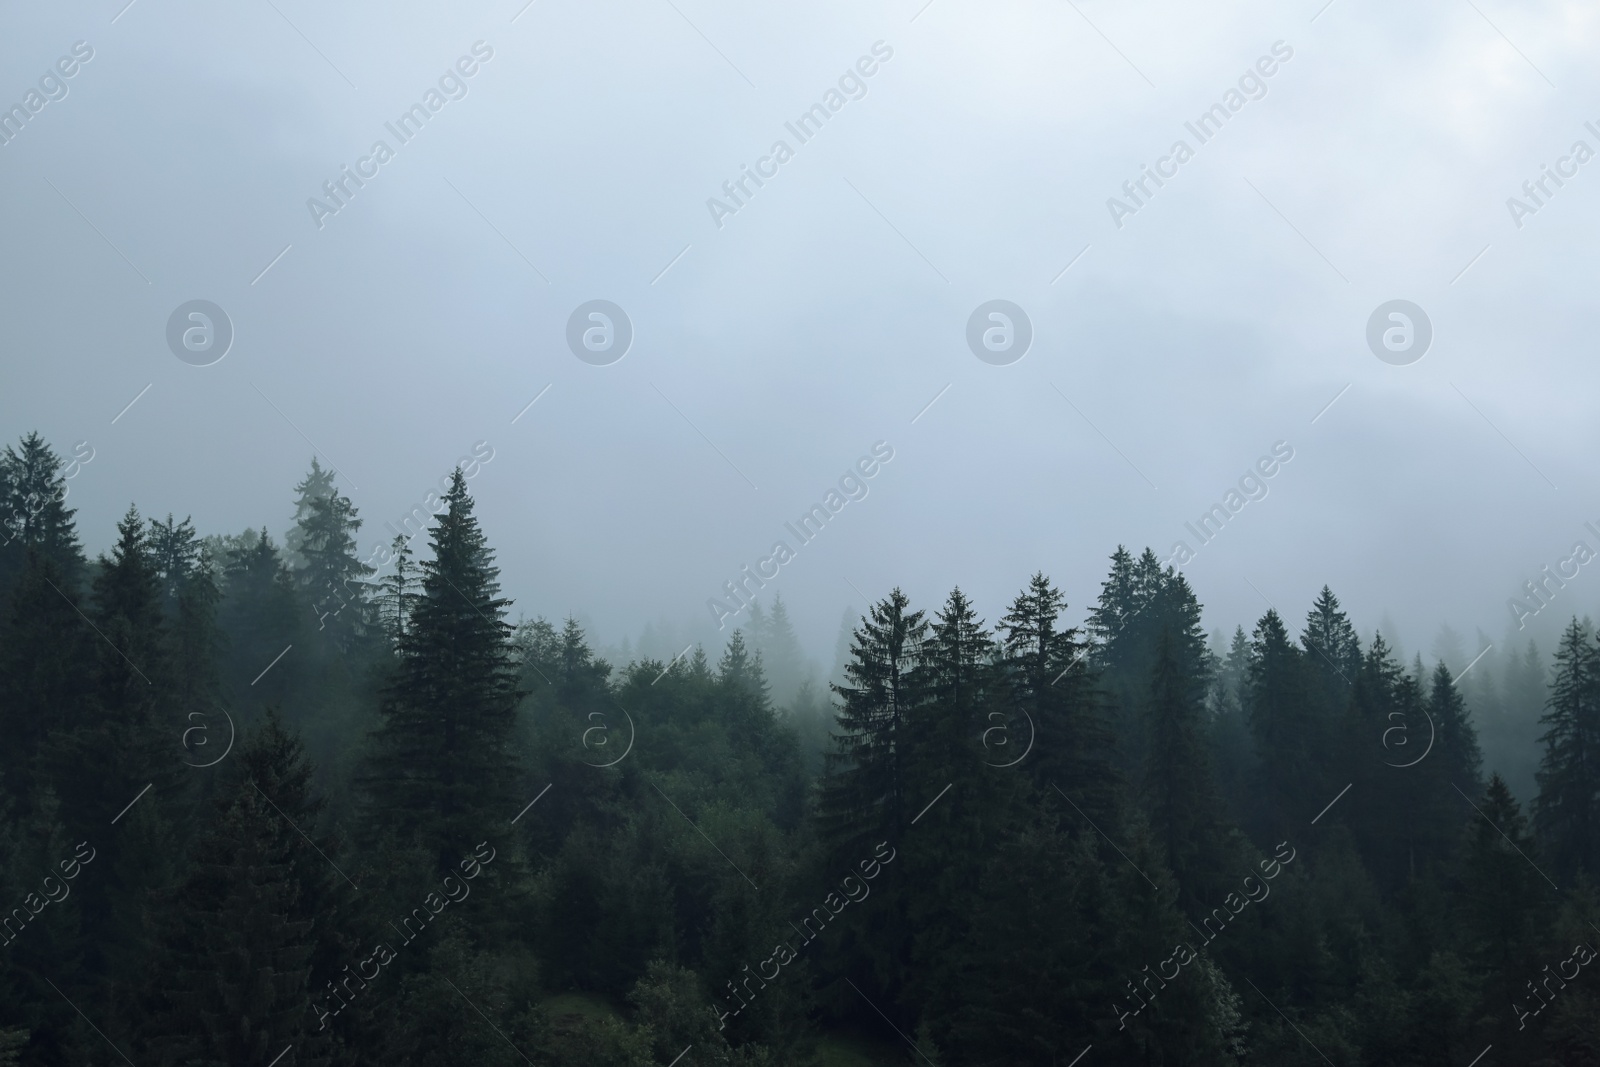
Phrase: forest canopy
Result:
[262,803]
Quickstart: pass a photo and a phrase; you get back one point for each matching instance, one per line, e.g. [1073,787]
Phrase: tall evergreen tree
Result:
[864,796]
[1047,678]
[772,634]
[443,766]
[397,594]
[1504,901]
[33,511]
[175,554]
[310,491]
[1293,778]
[253,925]
[261,613]
[1178,788]
[329,574]
[46,652]
[1567,812]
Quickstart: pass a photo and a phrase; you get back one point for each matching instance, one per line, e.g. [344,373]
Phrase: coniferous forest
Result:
[262,805]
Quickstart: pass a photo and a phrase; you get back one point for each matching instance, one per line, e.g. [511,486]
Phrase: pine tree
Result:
[774,638]
[33,512]
[1460,758]
[1137,602]
[261,613]
[46,652]
[329,574]
[175,554]
[1567,811]
[964,808]
[126,747]
[1048,678]
[1293,778]
[397,596]
[314,488]
[1233,747]
[1331,645]
[255,922]
[1178,789]
[443,768]
[1503,901]
[863,798]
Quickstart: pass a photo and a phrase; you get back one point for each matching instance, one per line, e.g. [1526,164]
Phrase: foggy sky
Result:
[826,313]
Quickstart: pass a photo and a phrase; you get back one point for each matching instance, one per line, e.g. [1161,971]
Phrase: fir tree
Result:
[1503,898]
[45,680]
[33,512]
[175,554]
[253,924]
[1292,778]
[1567,812]
[310,491]
[396,596]
[329,573]
[1178,789]
[864,796]
[1048,678]
[443,768]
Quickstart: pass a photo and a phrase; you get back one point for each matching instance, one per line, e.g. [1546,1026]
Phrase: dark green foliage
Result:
[865,795]
[664,832]
[443,768]
[241,933]
[1567,813]
[33,511]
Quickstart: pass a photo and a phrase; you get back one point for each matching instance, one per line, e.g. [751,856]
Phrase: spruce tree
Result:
[397,594]
[1504,901]
[963,808]
[772,634]
[1178,789]
[1460,757]
[1293,775]
[254,924]
[1047,677]
[315,487]
[329,574]
[262,614]
[175,554]
[123,762]
[34,514]
[443,770]
[1233,746]
[46,652]
[1567,811]
[864,796]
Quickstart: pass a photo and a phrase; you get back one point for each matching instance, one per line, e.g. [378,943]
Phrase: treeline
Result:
[261,805]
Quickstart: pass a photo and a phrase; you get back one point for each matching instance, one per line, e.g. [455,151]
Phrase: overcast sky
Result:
[774,344]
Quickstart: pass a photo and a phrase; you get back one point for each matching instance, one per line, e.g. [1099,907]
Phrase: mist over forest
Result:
[667,533]
[262,798]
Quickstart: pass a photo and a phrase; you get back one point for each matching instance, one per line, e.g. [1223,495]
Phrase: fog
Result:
[777,338]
